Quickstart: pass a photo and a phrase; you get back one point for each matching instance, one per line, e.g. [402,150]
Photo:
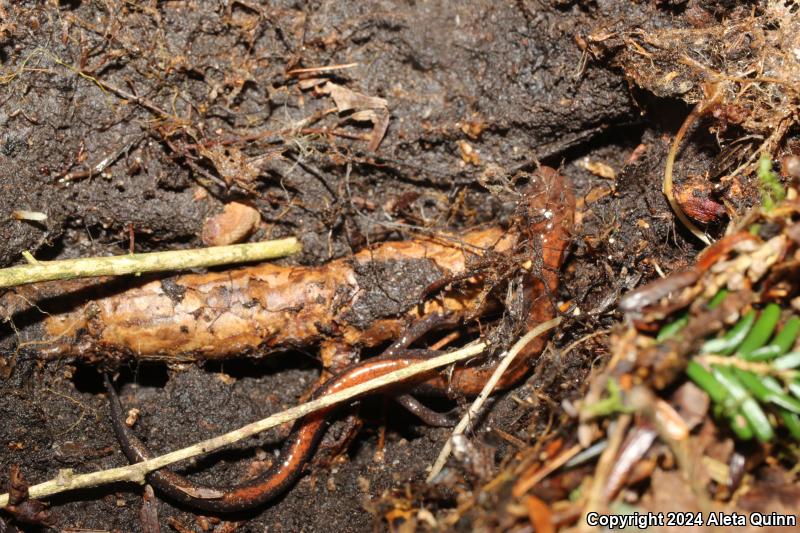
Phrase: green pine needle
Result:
[743,396]
[772,191]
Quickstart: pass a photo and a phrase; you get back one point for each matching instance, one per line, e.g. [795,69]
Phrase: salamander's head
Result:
[550,215]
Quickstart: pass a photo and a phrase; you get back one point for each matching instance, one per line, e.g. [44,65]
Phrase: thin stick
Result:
[88,267]
[66,480]
[552,465]
[328,68]
[472,413]
[596,500]
[666,186]
[757,367]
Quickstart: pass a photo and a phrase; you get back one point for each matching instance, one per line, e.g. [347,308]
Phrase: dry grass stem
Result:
[88,267]
[475,408]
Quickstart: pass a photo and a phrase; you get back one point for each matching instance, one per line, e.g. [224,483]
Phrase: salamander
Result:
[550,208]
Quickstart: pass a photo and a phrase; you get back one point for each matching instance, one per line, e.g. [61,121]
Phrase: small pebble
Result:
[236,222]
[790,167]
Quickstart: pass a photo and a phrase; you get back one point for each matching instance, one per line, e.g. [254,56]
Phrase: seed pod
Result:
[695,199]
[790,167]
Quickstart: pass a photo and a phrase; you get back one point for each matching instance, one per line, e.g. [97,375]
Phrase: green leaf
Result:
[761,330]
[728,342]
[670,330]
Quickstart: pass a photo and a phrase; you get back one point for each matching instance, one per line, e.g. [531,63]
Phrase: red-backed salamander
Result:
[550,204]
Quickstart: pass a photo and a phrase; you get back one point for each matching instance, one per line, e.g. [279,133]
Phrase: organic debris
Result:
[750,55]
[410,128]
[363,107]
[729,322]
[343,305]
[740,70]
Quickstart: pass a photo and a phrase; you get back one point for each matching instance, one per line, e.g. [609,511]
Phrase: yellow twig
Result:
[487,390]
[666,187]
[88,267]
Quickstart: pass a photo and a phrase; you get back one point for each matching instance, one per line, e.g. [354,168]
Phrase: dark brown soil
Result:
[512,70]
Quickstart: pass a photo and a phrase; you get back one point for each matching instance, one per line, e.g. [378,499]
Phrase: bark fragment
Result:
[358,301]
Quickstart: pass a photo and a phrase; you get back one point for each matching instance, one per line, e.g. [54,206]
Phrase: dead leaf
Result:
[367,109]
[346,99]
[599,169]
[670,492]
[774,492]
[231,164]
[691,403]
[539,514]
[695,198]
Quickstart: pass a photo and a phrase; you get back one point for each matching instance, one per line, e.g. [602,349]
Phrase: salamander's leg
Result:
[419,328]
[331,448]
[426,414]
[336,356]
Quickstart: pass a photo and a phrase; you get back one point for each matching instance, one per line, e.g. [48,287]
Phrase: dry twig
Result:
[487,390]
[89,267]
